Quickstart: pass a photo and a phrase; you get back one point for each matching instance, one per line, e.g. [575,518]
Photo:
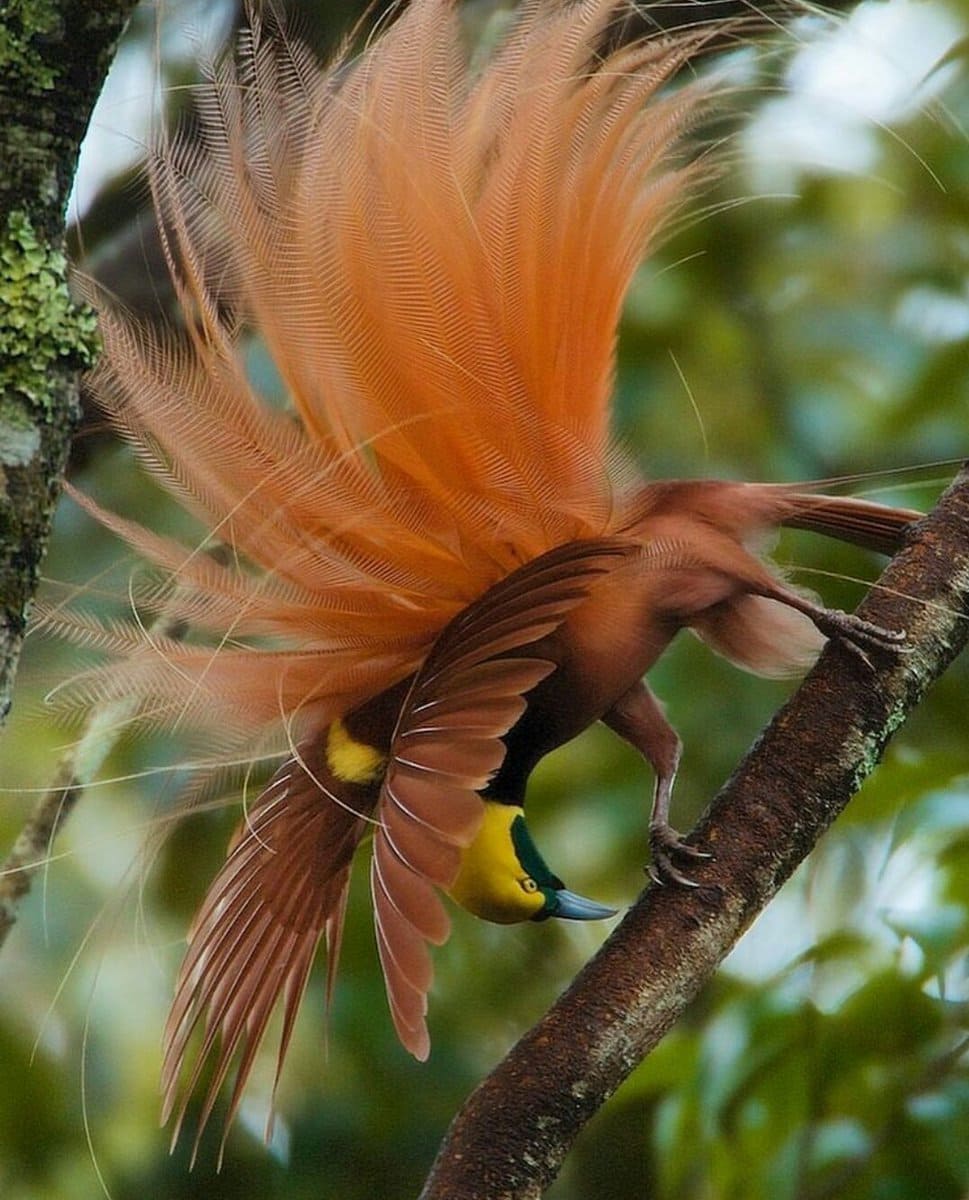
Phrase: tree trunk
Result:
[53,59]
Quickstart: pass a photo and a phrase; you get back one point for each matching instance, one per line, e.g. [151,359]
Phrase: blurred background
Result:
[810,319]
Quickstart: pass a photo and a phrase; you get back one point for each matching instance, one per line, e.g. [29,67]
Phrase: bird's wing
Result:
[282,887]
[468,694]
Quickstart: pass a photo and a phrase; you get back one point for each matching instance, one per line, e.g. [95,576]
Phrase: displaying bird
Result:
[437,564]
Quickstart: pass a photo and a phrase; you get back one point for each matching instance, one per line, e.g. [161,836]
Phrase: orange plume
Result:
[435,260]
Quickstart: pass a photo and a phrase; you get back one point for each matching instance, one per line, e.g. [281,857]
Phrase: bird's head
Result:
[503,877]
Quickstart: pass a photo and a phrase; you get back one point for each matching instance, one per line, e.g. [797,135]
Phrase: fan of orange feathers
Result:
[440,566]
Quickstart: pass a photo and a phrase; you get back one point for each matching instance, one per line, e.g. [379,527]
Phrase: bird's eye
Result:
[529,884]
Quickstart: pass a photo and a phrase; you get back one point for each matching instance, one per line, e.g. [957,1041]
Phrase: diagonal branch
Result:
[509,1140]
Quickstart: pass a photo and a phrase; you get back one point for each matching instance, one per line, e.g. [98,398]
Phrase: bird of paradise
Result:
[441,566]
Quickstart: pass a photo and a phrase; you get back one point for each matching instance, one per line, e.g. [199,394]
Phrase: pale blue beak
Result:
[573,907]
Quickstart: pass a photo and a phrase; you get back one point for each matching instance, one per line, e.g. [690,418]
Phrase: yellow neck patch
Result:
[492,882]
[352,761]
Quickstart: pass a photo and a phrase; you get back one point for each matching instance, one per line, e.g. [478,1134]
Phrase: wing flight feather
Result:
[447,744]
[282,887]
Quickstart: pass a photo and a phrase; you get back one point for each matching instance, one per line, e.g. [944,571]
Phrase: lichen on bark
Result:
[41,326]
[24,21]
[53,57]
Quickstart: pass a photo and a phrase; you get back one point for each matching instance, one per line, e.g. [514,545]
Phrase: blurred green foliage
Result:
[821,332]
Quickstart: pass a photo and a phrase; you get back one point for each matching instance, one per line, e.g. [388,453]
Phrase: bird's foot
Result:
[858,635]
[665,845]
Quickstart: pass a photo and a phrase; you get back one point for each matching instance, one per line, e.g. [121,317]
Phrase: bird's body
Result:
[441,569]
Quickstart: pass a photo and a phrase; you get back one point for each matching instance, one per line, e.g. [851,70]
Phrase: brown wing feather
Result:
[447,745]
[283,887]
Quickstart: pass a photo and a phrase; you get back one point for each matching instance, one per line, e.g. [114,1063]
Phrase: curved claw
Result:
[857,634]
[574,907]
[664,844]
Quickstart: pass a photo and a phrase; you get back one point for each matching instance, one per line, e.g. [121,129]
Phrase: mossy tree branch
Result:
[54,55]
[510,1138]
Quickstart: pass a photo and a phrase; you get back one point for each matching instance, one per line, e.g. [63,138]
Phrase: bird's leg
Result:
[638,717]
[854,633]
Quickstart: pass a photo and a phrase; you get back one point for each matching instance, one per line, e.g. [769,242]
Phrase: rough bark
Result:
[510,1138]
[53,57]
